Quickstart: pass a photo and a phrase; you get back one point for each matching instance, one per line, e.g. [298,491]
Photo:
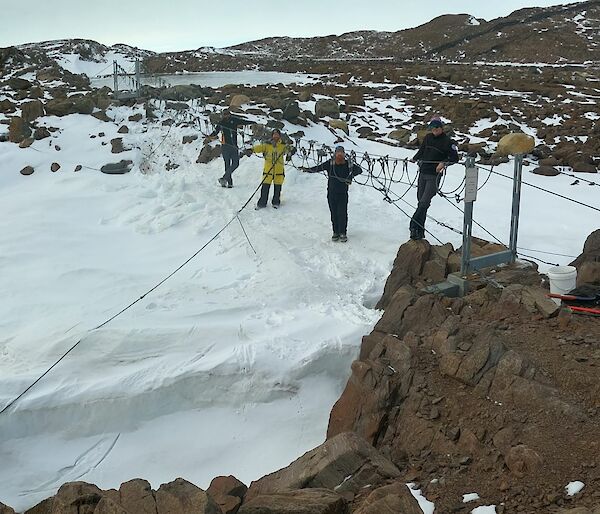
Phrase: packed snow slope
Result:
[233,364]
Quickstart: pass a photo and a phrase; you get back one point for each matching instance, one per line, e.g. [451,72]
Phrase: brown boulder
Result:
[238,101]
[183,497]
[291,111]
[136,497]
[117,145]
[547,171]
[208,153]
[19,84]
[123,129]
[44,507]
[7,106]
[27,170]
[364,405]
[76,498]
[408,265]
[5,509]
[584,167]
[36,92]
[41,133]
[591,250]
[83,105]
[400,135]
[589,273]
[108,506]
[135,117]
[390,499]
[228,492]
[521,460]
[327,107]
[391,321]
[59,107]
[18,130]
[189,139]
[101,115]
[30,111]
[304,501]
[550,161]
[344,463]
[339,124]
[54,167]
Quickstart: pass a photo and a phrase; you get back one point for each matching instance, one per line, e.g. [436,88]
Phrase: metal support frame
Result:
[138,74]
[116,79]
[127,95]
[467,224]
[516,206]
[469,264]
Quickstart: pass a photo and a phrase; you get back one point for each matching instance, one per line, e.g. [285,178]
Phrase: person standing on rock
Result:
[340,173]
[437,151]
[228,127]
[274,152]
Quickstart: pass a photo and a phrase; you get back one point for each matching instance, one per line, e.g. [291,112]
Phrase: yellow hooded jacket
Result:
[273,170]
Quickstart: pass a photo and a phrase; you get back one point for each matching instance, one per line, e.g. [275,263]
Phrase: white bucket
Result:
[563,279]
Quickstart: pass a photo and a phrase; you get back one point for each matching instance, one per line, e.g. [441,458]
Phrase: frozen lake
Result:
[213,79]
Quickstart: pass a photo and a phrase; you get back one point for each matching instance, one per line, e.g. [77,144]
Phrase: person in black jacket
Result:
[340,173]
[437,151]
[228,127]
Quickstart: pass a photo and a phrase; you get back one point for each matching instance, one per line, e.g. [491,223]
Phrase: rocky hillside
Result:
[557,35]
[551,34]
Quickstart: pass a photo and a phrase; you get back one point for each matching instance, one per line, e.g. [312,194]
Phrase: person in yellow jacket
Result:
[275,153]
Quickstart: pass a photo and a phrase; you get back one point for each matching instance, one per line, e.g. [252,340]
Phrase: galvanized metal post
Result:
[516,206]
[137,77]
[467,224]
[115,79]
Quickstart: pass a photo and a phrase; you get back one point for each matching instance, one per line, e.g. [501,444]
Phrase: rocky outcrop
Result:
[228,492]
[4,509]
[390,499]
[182,497]
[133,497]
[304,501]
[588,263]
[463,387]
[345,463]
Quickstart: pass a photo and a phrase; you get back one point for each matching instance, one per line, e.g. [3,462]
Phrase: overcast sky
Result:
[188,24]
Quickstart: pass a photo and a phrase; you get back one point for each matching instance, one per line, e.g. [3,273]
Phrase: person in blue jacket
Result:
[340,173]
